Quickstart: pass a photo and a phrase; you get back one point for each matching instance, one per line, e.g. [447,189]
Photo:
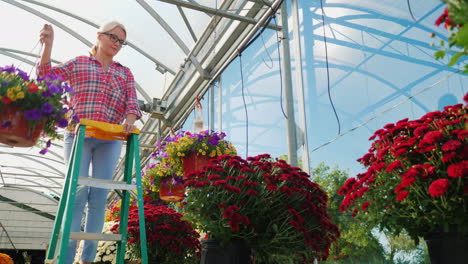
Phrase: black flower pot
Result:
[447,247]
[235,252]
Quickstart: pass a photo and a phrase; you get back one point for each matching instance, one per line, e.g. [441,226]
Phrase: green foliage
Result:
[455,19]
[356,244]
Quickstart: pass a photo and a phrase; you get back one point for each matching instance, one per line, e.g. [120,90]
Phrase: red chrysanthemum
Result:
[402,196]
[458,170]
[438,187]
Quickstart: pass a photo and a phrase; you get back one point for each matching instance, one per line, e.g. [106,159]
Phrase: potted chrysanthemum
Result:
[260,209]
[417,179]
[30,109]
[170,238]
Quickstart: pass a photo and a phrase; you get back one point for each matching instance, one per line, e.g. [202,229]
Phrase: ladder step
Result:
[95,236]
[106,184]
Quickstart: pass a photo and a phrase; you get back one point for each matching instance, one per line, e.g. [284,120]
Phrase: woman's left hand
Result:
[129,123]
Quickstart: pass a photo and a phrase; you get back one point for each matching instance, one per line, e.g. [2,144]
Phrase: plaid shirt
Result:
[101,96]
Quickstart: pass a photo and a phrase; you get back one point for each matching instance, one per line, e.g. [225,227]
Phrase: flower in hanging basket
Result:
[40,102]
[417,175]
[161,178]
[209,143]
[275,208]
[169,238]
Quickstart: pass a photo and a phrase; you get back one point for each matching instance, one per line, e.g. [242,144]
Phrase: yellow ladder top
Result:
[106,131]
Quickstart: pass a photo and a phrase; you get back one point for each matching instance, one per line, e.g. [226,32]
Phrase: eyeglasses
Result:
[115,39]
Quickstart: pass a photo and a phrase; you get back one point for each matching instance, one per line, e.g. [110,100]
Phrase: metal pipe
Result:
[287,84]
[300,87]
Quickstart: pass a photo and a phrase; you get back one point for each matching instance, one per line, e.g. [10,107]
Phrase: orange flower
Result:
[5,259]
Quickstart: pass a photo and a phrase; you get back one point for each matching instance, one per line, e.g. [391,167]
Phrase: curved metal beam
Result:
[69,31]
[27,54]
[97,26]
[33,170]
[27,156]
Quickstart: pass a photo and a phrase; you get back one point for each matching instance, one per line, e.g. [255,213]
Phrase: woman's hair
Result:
[104,28]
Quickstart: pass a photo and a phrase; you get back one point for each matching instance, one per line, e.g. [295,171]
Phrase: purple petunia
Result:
[47,108]
[23,75]
[9,69]
[177,180]
[43,151]
[54,89]
[6,124]
[33,114]
[46,93]
[68,89]
[213,141]
[62,122]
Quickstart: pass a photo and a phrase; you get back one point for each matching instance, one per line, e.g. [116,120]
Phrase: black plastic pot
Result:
[447,247]
[235,252]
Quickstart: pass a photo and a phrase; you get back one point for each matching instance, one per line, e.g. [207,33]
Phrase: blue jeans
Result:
[104,155]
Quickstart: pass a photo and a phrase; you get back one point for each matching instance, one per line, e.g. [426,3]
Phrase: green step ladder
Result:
[61,231]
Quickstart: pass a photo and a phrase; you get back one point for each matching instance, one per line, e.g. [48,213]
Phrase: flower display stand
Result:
[15,129]
[447,247]
[193,162]
[235,252]
[171,192]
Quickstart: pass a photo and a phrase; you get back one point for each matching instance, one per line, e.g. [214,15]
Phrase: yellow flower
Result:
[11,95]
[20,95]
[213,153]
[16,88]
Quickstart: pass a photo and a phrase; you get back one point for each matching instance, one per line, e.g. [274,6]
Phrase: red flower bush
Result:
[417,175]
[275,208]
[169,238]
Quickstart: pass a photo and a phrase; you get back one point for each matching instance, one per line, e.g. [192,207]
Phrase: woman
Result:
[104,90]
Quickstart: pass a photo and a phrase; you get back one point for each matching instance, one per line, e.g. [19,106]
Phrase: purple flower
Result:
[62,122]
[75,119]
[5,124]
[177,180]
[43,151]
[33,114]
[64,110]
[55,89]
[49,143]
[23,75]
[46,93]
[68,89]
[5,82]
[213,141]
[9,69]
[47,108]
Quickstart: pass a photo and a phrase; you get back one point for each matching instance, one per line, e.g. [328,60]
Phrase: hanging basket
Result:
[171,192]
[193,162]
[15,129]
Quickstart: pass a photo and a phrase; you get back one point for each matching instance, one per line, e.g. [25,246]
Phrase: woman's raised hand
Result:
[47,35]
